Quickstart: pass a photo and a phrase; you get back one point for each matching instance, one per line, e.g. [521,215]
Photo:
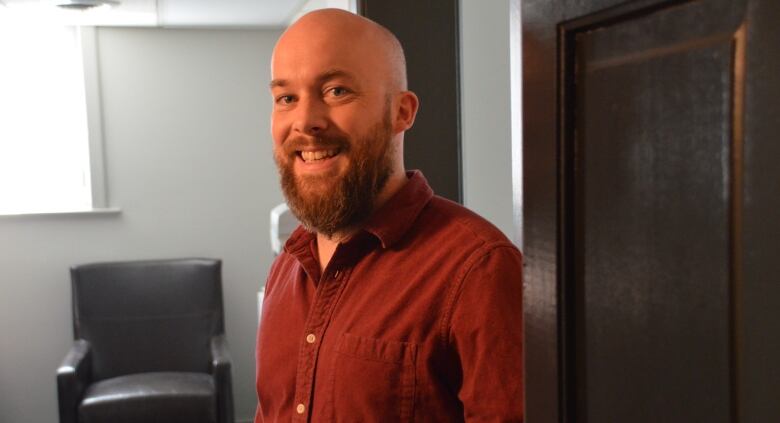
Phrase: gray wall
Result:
[188,157]
[486,115]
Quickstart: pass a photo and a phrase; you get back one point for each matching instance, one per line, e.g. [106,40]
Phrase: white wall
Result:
[486,115]
[188,157]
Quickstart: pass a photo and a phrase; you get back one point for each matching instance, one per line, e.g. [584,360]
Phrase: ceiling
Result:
[262,13]
[179,13]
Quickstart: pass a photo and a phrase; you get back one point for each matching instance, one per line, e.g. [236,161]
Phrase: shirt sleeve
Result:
[486,332]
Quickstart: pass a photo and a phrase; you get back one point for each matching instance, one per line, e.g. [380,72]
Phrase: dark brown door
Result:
[652,210]
[429,33]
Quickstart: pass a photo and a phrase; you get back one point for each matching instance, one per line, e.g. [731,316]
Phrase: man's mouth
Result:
[317,155]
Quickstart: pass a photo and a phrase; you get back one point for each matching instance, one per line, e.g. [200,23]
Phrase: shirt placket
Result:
[326,297]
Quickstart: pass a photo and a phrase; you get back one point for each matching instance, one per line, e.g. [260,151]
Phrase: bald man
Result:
[389,303]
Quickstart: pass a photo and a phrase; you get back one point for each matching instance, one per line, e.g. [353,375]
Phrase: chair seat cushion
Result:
[151,397]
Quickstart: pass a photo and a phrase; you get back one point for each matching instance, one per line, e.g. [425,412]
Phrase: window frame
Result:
[89,53]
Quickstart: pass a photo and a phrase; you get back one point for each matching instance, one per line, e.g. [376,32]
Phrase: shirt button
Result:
[310,338]
[300,408]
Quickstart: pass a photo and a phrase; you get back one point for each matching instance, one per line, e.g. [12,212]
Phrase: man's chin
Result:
[316,185]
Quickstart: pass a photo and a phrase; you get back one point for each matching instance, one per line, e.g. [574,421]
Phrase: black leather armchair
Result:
[149,344]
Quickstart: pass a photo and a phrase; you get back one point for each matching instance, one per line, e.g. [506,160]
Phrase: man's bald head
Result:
[341,108]
[336,28]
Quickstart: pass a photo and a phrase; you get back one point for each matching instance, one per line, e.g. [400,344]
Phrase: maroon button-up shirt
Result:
[417,318]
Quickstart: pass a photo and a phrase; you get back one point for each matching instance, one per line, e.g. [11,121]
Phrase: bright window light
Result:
[44,143]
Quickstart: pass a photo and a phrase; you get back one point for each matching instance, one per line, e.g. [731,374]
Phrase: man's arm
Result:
[486,331]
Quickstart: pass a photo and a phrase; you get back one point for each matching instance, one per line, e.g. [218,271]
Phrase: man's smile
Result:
[317,160]
[309,156]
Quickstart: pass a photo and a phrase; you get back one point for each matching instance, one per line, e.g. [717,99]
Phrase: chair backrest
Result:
[144,316]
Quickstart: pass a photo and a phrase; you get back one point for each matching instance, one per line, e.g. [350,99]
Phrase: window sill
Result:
[97,211]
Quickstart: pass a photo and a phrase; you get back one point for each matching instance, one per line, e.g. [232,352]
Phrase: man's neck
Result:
[326,246]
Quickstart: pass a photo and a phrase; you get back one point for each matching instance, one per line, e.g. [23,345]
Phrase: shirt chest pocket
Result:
[373,380]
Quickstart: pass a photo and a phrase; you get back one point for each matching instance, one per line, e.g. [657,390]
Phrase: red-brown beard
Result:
[329,204]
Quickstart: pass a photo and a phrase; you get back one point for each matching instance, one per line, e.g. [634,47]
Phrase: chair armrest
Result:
[73,377]
[220,356]
[220,370]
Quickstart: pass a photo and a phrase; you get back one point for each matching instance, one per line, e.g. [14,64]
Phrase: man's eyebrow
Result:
[325,76]
[277,83]
[335,73]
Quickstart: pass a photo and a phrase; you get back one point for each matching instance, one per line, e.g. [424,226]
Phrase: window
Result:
[44,147]
[50,135]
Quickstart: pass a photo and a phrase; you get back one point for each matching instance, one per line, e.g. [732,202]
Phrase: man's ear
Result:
[406,110]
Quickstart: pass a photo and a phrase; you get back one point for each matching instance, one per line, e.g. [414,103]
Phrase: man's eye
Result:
[338,91]
[284,99]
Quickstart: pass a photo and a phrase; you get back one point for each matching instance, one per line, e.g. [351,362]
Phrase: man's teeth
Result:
[308,156]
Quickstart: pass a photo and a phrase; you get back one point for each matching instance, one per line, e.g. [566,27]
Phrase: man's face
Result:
[331,125]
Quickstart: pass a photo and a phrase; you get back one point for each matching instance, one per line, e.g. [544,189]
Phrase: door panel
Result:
[641,123]
[651,217]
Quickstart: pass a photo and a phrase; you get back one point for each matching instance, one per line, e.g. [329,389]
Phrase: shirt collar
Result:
[390,222]
[397,215]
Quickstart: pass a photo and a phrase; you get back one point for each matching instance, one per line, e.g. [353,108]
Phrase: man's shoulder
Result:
[448,219]
[283,264]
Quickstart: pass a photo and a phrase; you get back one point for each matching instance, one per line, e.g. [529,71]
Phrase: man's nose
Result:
[311,117]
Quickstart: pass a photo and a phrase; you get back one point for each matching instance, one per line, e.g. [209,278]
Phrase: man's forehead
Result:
[316,37]
[312,63]
[324,52]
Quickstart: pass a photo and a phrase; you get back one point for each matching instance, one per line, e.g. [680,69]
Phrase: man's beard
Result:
[328,204]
